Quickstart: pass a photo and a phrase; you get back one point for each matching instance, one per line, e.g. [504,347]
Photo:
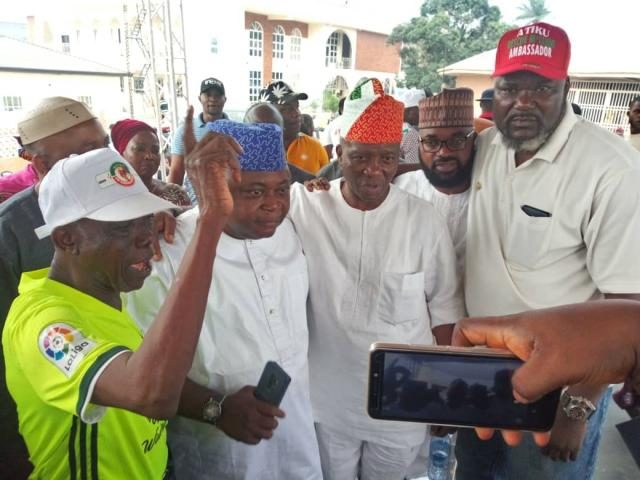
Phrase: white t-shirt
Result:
[256,311]
[331,134]
[634,140]
[588,180]
[382,275]
[453,208]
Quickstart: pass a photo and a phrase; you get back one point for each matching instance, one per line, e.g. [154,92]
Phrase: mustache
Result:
[523,116]
[438,160]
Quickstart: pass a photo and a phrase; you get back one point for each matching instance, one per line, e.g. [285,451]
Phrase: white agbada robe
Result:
[386,274]
[256,311]
[453,209]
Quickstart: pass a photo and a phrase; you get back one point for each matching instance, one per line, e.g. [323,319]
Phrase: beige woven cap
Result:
[453,107]
[52,115]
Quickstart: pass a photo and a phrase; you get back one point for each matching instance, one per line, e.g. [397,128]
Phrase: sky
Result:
[587,21]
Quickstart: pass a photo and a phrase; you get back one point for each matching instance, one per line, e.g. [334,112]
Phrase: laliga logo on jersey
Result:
[64,346]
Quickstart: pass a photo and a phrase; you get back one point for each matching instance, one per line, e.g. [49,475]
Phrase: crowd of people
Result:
[137,315]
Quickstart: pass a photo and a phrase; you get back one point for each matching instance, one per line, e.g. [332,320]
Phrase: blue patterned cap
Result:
[262,144]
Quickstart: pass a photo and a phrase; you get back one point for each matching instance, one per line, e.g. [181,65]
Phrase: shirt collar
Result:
[551,148]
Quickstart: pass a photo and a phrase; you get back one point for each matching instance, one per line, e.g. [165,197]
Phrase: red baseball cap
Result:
[539,48]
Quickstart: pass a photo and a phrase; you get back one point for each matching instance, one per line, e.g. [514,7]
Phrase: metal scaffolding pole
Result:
[156,97]
[168,35]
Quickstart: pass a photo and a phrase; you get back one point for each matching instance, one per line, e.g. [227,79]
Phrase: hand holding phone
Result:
[273,384]
[466,387]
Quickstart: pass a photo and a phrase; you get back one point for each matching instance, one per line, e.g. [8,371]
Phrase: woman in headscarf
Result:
[138,143]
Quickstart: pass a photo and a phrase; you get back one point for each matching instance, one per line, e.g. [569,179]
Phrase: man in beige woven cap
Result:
[56,128]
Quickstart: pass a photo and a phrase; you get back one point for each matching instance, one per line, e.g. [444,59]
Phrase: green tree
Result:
[446,31]
[534,11]
[330,101]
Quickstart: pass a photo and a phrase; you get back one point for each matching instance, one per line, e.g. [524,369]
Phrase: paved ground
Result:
[614,460]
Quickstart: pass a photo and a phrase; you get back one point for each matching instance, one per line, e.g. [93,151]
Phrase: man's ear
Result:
[66,239]
[567,86]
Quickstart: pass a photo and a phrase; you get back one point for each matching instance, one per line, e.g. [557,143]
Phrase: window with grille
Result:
[138,84]
[278,42]
[604,102]
[214,46]
[11,103]
[255,40]
[276,76]
[86,99]
[332,49]
[66,44]
[295,44]
[255,82]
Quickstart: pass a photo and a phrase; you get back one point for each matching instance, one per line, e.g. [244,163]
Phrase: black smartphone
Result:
[273,384]
[464,387]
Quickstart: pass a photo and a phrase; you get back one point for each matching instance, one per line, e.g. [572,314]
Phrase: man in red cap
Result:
[554,218]
[381,266]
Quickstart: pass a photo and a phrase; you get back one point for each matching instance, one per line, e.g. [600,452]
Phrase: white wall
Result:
[108,102]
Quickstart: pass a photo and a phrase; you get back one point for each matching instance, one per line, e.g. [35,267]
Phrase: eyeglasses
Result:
[433,144]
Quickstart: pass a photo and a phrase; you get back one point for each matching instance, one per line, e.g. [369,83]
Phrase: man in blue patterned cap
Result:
[256,312]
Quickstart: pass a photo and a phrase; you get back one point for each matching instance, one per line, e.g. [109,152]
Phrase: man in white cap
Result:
[381,266]
[92,395]
[410,137]
[56,128]
[256,312]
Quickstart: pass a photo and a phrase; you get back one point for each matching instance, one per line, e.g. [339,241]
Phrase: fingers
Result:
[511,437]
[155,245]
[269,410]
[484,433]
[169,226]
[541,438]
[188,138]
[537,377]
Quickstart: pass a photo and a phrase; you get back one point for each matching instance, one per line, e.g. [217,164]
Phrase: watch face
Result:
[577,413]
[211,410]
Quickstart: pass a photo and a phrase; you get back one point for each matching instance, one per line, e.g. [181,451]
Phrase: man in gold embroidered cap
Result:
[381,266]
[54,129]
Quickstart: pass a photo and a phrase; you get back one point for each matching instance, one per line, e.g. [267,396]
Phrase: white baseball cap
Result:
[100,185]
[410,97]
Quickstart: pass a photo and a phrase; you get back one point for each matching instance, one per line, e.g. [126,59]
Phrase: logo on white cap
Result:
[118,173]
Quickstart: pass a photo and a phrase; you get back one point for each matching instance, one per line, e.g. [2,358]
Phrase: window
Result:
[296,43]
[338,50]
[213,46]
[86,100]
[11,104]
[66,44]
[276,76]
[255,40]
[138,84]
[255,81]
[604,102]
[332,49]
[278,42]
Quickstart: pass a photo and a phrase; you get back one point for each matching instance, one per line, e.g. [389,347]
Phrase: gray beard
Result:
[531,145]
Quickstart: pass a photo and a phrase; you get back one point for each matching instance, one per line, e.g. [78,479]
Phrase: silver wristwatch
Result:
[576,408]
[212,409]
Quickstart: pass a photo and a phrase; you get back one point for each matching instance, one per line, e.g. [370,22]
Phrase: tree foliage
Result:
[534,11]
[446,31]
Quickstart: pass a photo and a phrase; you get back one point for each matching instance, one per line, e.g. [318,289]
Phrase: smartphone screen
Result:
[453,389]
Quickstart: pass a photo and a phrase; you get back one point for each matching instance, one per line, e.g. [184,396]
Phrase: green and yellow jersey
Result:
[56,343]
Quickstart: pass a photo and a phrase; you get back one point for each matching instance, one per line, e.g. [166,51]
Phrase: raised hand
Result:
[209,163]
